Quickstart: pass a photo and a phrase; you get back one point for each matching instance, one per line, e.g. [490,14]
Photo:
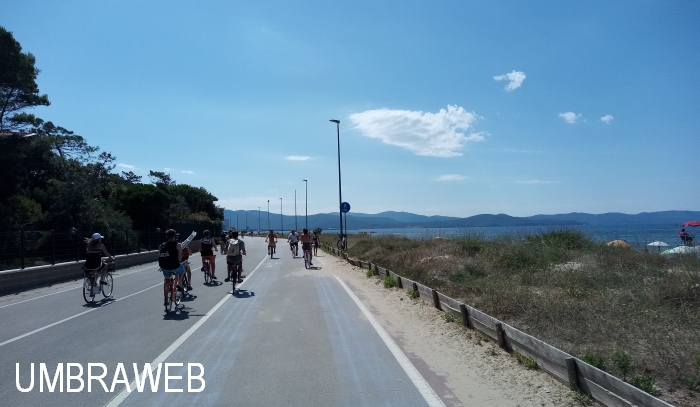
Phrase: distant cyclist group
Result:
[173,261]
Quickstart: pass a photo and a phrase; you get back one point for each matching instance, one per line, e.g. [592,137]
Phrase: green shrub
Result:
[389,282]
[561,239]
[528,362]
[449,317]
[623,362]
[413,294]
[594,360]
[582,399]
[645,383]
[372,272]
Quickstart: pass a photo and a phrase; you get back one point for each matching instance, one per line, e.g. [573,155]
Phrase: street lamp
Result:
[268,215]
[306,202]
[281,220]
[340,188]
[258,219]
[296,225]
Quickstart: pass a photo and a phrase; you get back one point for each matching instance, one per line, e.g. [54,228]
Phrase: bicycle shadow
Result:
[180,314]
[101,303]
[216,283]
[240,293]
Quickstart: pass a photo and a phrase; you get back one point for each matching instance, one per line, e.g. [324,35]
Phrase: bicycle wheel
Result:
[185,283]
[207,277]
[88,293]
[109,287]
[168,304]
[306,260]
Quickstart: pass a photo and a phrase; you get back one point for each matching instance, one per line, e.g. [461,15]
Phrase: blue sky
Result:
[451,107]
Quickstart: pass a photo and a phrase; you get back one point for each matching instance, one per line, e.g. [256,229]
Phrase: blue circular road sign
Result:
[345,207]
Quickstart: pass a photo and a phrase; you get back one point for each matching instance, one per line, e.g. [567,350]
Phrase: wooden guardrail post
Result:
[399,283]
[501,337]
[465,315]
[572,372]
[415,286]
[436,299]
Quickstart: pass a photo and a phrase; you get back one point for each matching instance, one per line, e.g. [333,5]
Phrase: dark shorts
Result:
[294,243]
[306,246]
[234,259]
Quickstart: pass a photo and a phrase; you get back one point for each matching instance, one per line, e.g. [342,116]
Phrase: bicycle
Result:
[234,276]
[307,263]
[270,250]
[185,281]
[343,243]
[294,247]
[91,285]
[174,295]
[206,268]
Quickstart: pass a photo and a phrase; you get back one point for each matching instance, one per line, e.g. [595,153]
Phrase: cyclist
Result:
[207,250]
[306,240]
[317,243]
[223,237]
[186,252]
[169,262]
[235,250]
[95,251]
[272,242]
[293,240]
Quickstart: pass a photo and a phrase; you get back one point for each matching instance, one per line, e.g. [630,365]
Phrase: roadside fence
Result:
[29,248]
[571,371]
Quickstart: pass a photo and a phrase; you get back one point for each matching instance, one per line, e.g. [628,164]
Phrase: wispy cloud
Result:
[127,166]
[537,182]
[511,150]
[298,158]
[450,177]
[515,80]
[424,133]
[570,117]
[607,119]
[169,169]
[187,172]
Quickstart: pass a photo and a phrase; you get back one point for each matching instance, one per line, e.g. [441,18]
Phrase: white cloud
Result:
[187,172]
[127,166]
[298,157]
[570,117]
[450,177]
[537,182]
[607,119]
[427,134]
[515,79]
[169,169]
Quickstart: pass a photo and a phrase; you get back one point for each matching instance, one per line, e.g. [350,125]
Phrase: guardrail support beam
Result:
[501,337]
[572,372]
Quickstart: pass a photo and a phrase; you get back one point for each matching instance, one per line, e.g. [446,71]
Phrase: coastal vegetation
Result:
[632,313]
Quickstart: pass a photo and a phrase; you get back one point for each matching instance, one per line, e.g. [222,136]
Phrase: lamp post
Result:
[258,219]
[268,214]
[281,220]
[340,188]
[296,225]
[306,203]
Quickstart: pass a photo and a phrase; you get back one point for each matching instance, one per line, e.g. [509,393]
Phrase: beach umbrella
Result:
[682,249]
[658,244]
[692,223]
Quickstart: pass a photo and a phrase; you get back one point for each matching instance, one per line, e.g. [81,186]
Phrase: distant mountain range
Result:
[390,220]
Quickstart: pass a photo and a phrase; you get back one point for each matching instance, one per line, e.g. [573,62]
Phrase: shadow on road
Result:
[239,293]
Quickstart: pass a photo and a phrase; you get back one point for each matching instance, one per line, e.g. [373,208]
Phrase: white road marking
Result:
[423,387]
[74,316]
[119,398]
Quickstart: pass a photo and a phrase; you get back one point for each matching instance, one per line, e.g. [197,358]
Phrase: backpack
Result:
[234,248]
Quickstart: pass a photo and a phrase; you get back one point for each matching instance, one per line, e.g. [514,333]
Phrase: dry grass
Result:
[576,294]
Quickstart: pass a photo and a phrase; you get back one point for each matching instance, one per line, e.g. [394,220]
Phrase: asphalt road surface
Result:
[287,336]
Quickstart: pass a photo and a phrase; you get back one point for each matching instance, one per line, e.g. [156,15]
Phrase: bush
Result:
[413,294]
[623,362]
[449,317]
[389,282]
[594,360]
[645,383]
[372,272]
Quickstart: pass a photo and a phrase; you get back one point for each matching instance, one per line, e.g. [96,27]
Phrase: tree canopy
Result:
[55,180]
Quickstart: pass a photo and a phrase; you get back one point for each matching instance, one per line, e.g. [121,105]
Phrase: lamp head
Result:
[335,121]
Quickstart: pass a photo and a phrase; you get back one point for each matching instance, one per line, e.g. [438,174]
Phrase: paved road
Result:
[289,336]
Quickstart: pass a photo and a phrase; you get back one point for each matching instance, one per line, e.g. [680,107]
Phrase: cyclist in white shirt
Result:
[293,240]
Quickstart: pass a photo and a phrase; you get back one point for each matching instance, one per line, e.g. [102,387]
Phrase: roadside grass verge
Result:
[590,300]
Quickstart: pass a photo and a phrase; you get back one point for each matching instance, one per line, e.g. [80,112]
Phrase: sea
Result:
[638,235]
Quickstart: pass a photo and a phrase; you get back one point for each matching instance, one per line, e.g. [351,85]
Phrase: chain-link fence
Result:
[22,249]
